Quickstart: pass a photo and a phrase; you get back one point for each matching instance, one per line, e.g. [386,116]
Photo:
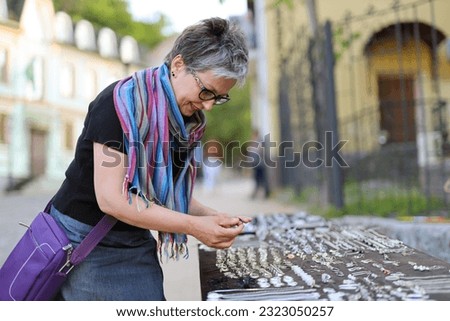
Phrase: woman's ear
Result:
[177,64]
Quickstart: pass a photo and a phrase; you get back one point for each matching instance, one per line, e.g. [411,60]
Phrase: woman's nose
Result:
[208,105]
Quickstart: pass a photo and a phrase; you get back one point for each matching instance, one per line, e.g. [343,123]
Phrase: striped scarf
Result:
[154,127]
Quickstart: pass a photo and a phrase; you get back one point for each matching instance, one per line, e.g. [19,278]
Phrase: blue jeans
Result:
[123,266]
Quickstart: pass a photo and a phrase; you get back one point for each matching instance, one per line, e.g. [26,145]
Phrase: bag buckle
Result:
[68,266]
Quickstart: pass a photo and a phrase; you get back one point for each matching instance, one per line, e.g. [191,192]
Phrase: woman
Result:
[134,161]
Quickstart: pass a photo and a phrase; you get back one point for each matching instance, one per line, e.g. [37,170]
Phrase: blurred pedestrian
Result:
[261,182]
[211,173]
[212,165]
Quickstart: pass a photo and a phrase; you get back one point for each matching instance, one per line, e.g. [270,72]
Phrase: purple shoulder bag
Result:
[40,262]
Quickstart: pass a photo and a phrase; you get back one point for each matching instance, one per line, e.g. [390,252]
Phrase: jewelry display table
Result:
[304,257]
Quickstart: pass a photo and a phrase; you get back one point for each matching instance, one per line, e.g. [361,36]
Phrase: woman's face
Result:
[188,86]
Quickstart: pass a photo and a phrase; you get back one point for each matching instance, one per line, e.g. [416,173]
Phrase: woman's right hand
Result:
[218,231]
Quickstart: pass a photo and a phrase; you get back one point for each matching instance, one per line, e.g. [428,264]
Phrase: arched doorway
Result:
[397,55]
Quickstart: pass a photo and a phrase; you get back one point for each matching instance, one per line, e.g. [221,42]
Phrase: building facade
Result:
[50,69]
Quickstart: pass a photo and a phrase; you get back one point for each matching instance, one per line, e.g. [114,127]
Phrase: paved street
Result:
[182,280]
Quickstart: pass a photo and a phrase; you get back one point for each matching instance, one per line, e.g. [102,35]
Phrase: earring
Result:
[173,74]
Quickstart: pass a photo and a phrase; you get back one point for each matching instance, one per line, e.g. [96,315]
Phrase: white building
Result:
[50,69]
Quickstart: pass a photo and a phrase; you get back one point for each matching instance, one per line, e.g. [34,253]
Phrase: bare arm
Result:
[109,170]
[198,209]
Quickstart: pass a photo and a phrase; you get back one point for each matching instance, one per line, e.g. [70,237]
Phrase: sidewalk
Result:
[182,279]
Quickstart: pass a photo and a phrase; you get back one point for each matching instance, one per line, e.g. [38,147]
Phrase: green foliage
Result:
[385,202]
[389,206]
[288,3]
[149,34]
[115,15]
[342,42]
[230,124]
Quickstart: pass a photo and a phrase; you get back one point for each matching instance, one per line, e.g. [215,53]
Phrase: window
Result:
[66,84]
[3,65]
[89,85]
[3,128]
[34,76]
[68,136]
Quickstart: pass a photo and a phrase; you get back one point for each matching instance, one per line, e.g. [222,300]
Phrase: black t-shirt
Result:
[76,197]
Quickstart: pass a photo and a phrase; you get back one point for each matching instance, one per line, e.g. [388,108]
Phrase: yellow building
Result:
[391,75]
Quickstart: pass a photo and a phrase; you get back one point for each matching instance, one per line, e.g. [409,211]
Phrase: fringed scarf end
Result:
[144,198]
[137,194]
[126,181]
[169,248]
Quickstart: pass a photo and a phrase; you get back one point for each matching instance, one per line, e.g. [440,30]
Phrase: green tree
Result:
[115,15]
[230,124]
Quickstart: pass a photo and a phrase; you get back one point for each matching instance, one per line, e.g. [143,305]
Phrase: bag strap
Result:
[92,239]
[49,206]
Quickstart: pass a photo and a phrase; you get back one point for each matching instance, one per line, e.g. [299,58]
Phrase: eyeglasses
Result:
[206,94]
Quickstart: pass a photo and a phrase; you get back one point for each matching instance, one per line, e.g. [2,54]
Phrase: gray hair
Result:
[213,44]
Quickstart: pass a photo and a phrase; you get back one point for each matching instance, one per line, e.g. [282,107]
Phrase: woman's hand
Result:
[218,231]
[245,219]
